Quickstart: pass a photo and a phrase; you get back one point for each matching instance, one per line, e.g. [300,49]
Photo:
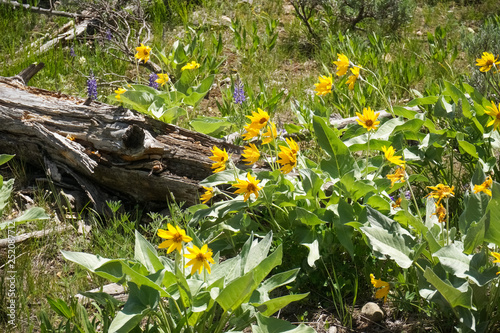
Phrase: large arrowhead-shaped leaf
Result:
[341,161]
[274,325]
[461,296]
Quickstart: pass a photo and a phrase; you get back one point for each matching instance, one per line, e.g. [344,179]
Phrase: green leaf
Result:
[32,214]
[234,294]
[343,231]
[423,101]
[307,217]
[492,234]
[197,93]
[255,252]
[273,325]
[137,100]
[341,161]
[268,308]
[461,296]
[106,268]
[5,192]
[210,125]
[219,209]
[60,307]
[474,235]
[4,158]
[453,260]
[390,244]
[468,147]
[140,302]
[146,254]
[278,280]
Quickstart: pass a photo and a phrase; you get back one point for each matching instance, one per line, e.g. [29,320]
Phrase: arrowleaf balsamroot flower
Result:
[384,287]
[143,53]
[487,61]
[250,132]
[259,120]
[119,92]
[247,187]
[497,257]
[389,155]
[493,111]
[324,86]
[342,64]
[251,154]
[287,157]
[220,158]
[440,213]
[174,238]
[209,193]
[270,134]
[484,187]
[351,80]
[440,192]
[368,119]
[191,65]
[399,175]
[397,203]
[162,79]
[199,258]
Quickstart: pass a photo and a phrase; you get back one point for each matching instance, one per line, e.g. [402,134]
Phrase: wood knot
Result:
[133,137]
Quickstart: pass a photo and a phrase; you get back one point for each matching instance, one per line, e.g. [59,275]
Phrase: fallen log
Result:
[112,153]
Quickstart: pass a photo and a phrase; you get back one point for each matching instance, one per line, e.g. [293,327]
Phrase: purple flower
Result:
[152,80]
[408,195]
[391,197]
[92,86]
[239,93]
[109,35]
[72,52]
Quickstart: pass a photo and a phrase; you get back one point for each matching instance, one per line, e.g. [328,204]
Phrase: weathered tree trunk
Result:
[109,151]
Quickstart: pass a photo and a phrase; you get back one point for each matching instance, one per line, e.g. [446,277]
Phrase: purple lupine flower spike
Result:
[109,35]
[239,93]
[152,80]
[92,86]
[72,52]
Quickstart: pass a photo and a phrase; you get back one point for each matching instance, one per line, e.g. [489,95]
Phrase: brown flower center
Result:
[222,158]
[251,188]
[177,238]
[262,120]
[369,123]
[498,116]
[200,257]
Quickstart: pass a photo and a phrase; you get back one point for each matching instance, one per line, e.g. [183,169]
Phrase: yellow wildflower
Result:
[247,187]
[143,53]
[287,159]
[440,192]
[174,238]
[250,133]
[342,64]
[440,213]
[484,187]
[270,134]
[162,79]
[251,154]
[397,203]
[378,283]
[259,119]
[191,65]
[294,147]
[119,92]
[399,175]
[324,86]
[368,119]
[497,257]
[209,193]
[493,111]
[389,155]
[351,80]
[199,258]
[220,158]
[487,61]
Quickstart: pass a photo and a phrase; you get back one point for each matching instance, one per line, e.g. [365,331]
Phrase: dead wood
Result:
[110,152]
[41,10]
[30,235]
